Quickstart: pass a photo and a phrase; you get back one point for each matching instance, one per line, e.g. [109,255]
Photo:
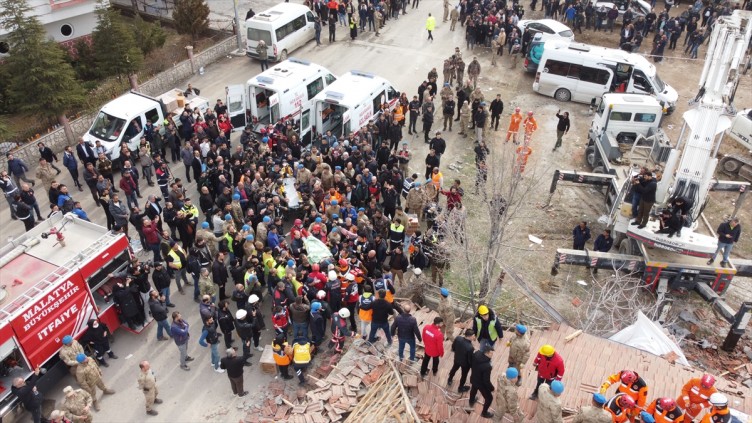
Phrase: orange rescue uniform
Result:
[638,390]
[694,397]
[717,416]
[618,414]
[664,416]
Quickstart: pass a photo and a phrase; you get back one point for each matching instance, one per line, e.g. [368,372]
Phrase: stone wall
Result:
[161,83]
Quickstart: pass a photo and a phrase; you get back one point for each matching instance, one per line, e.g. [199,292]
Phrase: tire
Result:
[627,247]
[283,56]
[563,94]
[599,169]
[590,156]
[730,165]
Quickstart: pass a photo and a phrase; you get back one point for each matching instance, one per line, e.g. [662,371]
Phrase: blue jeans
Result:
[635,204]
[155,250]
[195,286]
[726,248]
[375,326]
[411,343]
[162,325]
[166,293]
[299,328]
[214,355]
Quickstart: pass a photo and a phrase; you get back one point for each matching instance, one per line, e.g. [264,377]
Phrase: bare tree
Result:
[473,237]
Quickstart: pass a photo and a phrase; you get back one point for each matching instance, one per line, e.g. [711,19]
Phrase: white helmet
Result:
[344,313]
[719,400]
[350,277]
[253,299]
[417,271]
[332,275]
[240,314]
[321,294]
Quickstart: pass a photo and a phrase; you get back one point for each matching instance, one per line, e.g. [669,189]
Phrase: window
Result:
[305,120]
[134,127]
[645,117]
[284,31]
[152,116]
[107,127]
[66,30]
[377,102]
[574,71]
[299,23]
[601,107]
[310,17]
[329,78]
[259,34]
[393,93]
[594,75]
[621,116]
[315,87]
[556,67]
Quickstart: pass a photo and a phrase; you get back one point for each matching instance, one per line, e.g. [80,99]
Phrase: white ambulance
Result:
[351,101]
[284,91]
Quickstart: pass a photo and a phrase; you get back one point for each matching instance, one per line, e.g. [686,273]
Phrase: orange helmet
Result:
[628,377]
[707,381]
[626,401]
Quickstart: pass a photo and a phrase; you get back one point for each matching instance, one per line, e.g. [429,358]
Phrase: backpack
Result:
[68,205]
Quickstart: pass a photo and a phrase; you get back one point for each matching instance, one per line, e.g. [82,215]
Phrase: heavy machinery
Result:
[741,130]
[625,136]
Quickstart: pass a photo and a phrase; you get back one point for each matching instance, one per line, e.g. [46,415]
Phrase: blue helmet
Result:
[67,340]
[290,263]
[267,219]
[318,220]
[444,292]
[316,306]
[228,216]
[557,387]
[249,237]
[204,225]
[81,357]
[646,417]
[236,196]
[522,329]
[246,228]
[512,373]
[599,398]
[335,202]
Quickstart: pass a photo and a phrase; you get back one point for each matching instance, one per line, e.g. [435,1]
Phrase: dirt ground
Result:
[572,204]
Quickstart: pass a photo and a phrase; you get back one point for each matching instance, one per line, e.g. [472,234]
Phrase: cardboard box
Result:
[412,224]
[267,361]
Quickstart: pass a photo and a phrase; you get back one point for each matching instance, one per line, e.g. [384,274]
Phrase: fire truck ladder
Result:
[95,247]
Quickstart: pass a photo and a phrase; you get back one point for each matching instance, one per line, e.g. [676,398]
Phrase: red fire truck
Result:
[51,278]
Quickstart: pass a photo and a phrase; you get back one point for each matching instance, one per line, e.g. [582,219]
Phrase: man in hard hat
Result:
[340,331]
[665,410]
[507,400]
[519,349]
[68,353]
[549,405]
[620,406]
[719,411]
[550,367]
[695,395]
[446,311]
[463,357]
[487,327]
[593,413]
[630,383]
[89,376]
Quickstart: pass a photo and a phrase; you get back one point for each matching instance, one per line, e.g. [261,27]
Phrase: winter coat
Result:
[519,350]
[481,371]
[463,351]
[549,367]
[123,296]
[433,340]
[507,399]
[406,327]
[549,406]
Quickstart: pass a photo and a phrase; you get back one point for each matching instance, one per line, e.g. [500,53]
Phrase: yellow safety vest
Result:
[229,239]
[301,353]
[176,258]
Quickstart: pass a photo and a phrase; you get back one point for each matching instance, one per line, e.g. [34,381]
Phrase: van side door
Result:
[236,107]
[594,82]
[135,129]
[310,32]
[301,33]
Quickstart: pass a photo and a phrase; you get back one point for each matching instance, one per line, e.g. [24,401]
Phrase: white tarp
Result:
[646,335]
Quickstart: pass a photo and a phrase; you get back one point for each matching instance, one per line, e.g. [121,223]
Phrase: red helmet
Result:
[626,402]
[517,109]
[315,267]
[342,263]
[667,404]
[298,222]
[707,380]
[317,227]
[628,377]
[530,113]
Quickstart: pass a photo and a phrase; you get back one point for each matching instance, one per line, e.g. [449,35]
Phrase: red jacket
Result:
[433,340]
[549,367]
[151,233]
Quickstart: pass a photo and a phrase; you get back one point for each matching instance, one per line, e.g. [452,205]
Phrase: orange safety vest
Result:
[399,116]
[436,179]
[280,357]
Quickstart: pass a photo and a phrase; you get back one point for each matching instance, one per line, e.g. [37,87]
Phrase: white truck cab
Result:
[351,101]
[122,120]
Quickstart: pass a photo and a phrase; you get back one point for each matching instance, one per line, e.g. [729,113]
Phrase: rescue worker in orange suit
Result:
[282,356]
[665,410]
[630,383]
[514,125]
[695,396]
[530,124]
[719,411]
[550,367]
[621,406]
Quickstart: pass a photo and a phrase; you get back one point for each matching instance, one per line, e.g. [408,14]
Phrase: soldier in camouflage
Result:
[446,311]
[77,405]
[148,383]
[519,350]
[68,353]
[90,378]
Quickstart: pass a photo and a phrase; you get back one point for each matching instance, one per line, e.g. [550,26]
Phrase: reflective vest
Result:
[301,353]
[436,179]
[280,357]
[229,239]
[176,258]
[190,210]
[491,328]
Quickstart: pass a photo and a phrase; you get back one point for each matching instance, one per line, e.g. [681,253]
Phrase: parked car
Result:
[639,7]
[546,26]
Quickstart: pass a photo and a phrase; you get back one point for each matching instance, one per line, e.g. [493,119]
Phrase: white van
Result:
[284,91]
[351,101]
[122,120]
[284,28]
[583,73]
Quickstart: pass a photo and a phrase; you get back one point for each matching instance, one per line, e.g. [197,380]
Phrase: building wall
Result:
[79,15]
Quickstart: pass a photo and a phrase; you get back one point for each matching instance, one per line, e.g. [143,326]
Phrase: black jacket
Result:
[233,365]
[244,328]
[463,351]
[318,327]
[158,309]
[647,190]
[161,279]
[381,310]
[406,327]
[481,374]
[725,229]
[26,394]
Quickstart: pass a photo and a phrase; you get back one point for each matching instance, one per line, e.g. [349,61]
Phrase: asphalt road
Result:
[403,55]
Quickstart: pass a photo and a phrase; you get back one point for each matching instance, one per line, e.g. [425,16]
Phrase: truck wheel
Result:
[563,94]
[283,56]
[599,169]
[590,156]
[730,165]
[627,247]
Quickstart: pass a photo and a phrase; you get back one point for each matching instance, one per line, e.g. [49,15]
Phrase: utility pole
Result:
[238,34]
